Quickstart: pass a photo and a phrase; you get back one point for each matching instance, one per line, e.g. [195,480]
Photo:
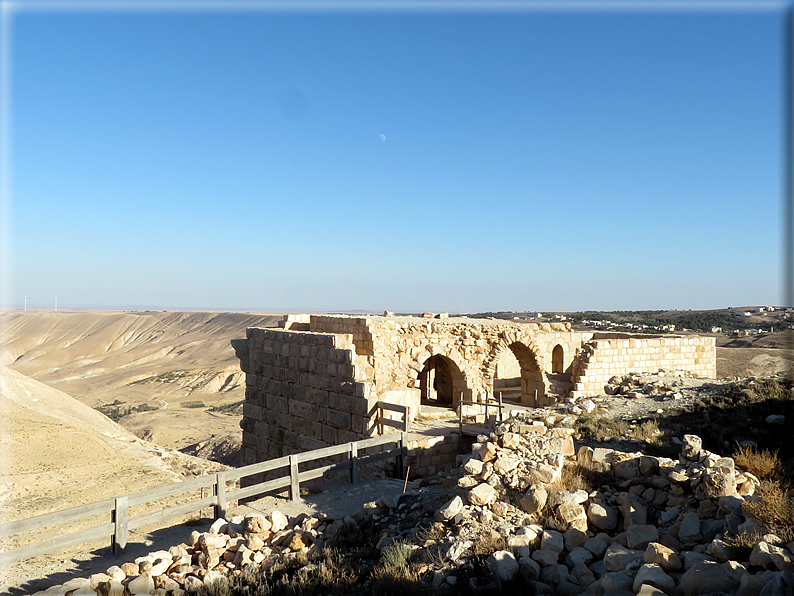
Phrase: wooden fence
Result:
[497,404]
[118,507]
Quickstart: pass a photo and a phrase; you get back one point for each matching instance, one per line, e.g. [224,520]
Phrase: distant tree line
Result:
[685,319]
[697,321]
[496,315]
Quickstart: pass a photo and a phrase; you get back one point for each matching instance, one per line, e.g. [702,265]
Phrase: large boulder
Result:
[485,452]
[617,557]
[449,509]
[602,517]
[503,565]
[278,521]
[689,532]
[708,577]
[626,469]
[653,575]
[473,467]
[640,536]
[551,545]
[720,482]
[663,556]
[634,512]
[482,494]
[534,499]
[761,555]
[692,447]
[505,464]
[554,574]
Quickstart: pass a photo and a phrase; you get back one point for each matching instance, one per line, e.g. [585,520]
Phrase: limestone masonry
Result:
[316,381]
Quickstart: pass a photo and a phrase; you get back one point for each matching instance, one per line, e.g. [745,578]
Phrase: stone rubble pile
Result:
[659,527]
[228,547]
[637,385]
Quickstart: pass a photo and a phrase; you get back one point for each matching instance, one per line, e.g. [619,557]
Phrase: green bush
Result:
[192,404]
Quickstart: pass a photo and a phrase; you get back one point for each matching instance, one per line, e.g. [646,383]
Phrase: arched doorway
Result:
[440,382]
[507,376]
[557,360]
[533,379]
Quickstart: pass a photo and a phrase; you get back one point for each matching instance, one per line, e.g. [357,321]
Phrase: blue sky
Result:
[531,161]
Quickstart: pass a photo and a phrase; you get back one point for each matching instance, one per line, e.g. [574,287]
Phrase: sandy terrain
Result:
[154,358]
[755,356]
[59,453]
[163,361]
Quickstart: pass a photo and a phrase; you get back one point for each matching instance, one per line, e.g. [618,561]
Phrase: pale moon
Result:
[382,137]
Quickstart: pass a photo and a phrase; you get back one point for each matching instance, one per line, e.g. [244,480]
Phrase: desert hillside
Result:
[158,373]
[58,452]
[99,357]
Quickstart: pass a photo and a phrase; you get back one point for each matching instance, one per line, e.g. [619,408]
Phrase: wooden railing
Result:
[497,403]
[118,507]
[401,425]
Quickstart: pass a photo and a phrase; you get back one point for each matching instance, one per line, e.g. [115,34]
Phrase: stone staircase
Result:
[579,371]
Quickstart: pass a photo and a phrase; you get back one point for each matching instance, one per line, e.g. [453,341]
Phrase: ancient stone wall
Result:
[302,392]
[607,355]
[398,348]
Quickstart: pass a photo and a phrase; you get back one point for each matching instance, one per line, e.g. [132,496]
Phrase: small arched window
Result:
[557,358]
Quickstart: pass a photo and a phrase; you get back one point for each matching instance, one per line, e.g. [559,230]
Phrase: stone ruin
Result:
[316,381]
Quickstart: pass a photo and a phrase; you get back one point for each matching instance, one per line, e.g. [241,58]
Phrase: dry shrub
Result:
[571,479]
[648,431]
[398,555]
[602,429]
[580,477]
[761,464]
[770,388]
[621,429]
[774,509]
[436,531]
[395,576]
[330,573]
[489,542]
[741,546]
[351,536]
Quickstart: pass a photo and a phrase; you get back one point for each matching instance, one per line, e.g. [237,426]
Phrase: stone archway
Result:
[436,382]
[440,377]
[534,387]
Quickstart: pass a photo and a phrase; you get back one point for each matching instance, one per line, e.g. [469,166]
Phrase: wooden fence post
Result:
[535,399]
[120,518]
[401,456]
[294,487]
[353,462]
[460,423]
[220,495]
[500,407]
